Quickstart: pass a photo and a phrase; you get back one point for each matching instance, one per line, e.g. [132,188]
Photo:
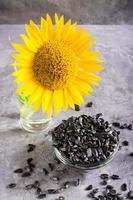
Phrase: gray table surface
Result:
[114,98]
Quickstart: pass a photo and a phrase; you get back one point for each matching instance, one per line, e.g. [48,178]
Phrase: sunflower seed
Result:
[131,154]
[109,187]
[18,171]
[26,174]
[89,104]
[130,127]
[51,166]
[124,187]
[104,182]
[130,195]
[116,124]
[95,190]
[104,176]
[77,108]
[38,190]
[36,184]
[45,171]
[11,185]
[31,147]
[41,196]
[29,160]
[89,187]
[125,143]
[29,187]
[52,191]
[115,177]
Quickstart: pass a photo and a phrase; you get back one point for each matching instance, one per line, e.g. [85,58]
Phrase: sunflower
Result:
[55,64]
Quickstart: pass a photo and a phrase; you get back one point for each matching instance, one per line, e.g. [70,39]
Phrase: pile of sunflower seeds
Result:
[85,139]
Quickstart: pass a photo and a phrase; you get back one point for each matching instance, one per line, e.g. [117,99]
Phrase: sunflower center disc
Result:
[54,65]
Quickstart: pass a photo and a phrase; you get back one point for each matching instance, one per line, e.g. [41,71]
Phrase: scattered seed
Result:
[125,143]
[98,115]
[77,108]
[131,154]
[89,104]
[130,195]
[124,187]
[104,182]
[95,190]
[130,127]
[66,184]
[41,196]
[38,190]
[109,187]
[31,147]
[118,132]
[100,197]
[116,124]
[29,187]
[45,171]
[115,177]
[112,192]
[31,165]
[26,174]
[104,176]
[51,166]
[29,160]
[52,191]
[91,195]
[11,185]
[89,187]
[18,171]
[76,183]
[36,184]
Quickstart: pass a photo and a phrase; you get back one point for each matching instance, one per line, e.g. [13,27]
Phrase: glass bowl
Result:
[84,166]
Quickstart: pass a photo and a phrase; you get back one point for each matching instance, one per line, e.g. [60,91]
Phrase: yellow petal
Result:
[35,96]
[92,65]
[37,105]
[65,101]
[35,39]
[67,35]
[44,29]
[57,101]
[56,18]
[19,64]
[22,57]
[20,89]
[32,87]
[89,55]
[50,25]
[84,83]
[46,99]
[21,48]
[83,89]
[59,28]
[50,105]
[36,32]
[28,43]
[69,98]
[75,94]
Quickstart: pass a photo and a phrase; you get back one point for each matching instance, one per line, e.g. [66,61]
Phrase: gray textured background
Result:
[114,98]
[83,11]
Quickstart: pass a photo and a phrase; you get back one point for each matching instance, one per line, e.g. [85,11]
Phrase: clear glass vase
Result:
[32,121]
